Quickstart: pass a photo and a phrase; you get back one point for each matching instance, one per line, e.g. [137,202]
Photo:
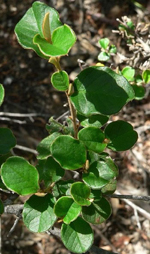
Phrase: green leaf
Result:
[103,57]
[7,140]
[97,212]
[50,171]
[43,147]
[20,176]
[96,120]
[110,187]
[4,157]
[60,80]
[121,135]
[104,43]
[96,195]
[92,157]
[2,93]
[139,92]
[38,214]
[61,188]
[69,152]
[67,209]
[146,76]
[128,72]
[63,39]
[80,193]
[55,126]
[100,173]
[1,207]
[93,138]
[99,90]
[112,49]
[32,24]
[80,236]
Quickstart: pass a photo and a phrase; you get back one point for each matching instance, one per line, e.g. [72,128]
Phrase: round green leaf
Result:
[1,207]
[38,213]
[104,42]
[103,57]
[99,90]
[50,171]
[20,176]
[43,147]
[67,209]
[31,24]
[99,173]
[60,80]
[77,236]
[146,76]
[7,140]
[128,72]
[97,212]
[110,187]
[93,120]
[139,92]
[69,152]
[80,193]
[63,39]
[2,93]
[93,138]
[121,135]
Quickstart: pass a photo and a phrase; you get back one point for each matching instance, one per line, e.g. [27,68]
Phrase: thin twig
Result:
[14,225]
[26,149]
[143,198]
[12,120]
[139,209]
[18,114]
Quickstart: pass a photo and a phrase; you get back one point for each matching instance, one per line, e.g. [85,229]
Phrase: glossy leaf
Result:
[121,135]
[60,80]
[96,120]
[99,90]
[92,157]
[62,188]
[97,212]
[43,147]
[80,236]
[38,214]
[55,126]
[50,171]
[93,138]
[7,140]
[1,207]
[63,39]
[128,72]
[95,195]
[146,76]
[32,24]
[67,209]
[110,187]
[20,176]
[139,92]
[69,152]
[104,42]
[80,193]
[2,93]
[100,173]
[103,57]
